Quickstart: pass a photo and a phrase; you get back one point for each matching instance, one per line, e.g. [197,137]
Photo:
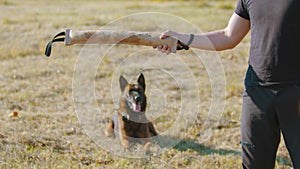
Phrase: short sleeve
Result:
[241,10]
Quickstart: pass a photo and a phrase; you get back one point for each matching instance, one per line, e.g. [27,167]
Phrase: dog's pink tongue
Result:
[137,107]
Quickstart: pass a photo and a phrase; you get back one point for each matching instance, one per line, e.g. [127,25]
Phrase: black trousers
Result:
[266,113]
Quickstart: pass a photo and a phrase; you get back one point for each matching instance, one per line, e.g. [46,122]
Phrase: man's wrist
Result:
[187,39]
[191,39]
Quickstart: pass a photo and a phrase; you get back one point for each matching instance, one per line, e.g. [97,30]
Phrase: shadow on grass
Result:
[185,145]
[191,145]
[188,145]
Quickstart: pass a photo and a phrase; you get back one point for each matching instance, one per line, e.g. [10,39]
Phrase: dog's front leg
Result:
[109,132]
[125,143]
[152,129]
[146,145]
[124,138]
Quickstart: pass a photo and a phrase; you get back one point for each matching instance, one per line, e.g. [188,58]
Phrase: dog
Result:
[130,123]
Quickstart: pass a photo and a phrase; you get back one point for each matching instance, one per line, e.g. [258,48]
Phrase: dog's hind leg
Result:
[109,132]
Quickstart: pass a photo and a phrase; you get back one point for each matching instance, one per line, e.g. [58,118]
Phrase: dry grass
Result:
[48,134]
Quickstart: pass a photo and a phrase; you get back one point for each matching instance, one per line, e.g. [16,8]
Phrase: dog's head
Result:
[134,94]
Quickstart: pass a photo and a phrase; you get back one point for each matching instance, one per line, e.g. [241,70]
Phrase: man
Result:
[271,101]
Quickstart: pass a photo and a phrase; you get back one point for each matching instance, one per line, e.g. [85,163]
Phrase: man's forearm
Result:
[216,40]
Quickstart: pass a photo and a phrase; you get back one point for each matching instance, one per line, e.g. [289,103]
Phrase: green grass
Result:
[48,133]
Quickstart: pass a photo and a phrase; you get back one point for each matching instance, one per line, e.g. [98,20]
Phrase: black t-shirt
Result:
[275,41]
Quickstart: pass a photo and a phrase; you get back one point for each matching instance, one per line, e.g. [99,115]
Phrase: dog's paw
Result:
[109,132]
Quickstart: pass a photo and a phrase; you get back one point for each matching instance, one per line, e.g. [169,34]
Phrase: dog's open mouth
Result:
[137,107]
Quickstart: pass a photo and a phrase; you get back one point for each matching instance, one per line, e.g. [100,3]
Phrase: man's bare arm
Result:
[226,38]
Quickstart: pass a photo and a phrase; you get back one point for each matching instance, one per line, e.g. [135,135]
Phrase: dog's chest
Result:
[131,126]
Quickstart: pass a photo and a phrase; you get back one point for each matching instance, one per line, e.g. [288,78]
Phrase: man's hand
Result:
[165,48]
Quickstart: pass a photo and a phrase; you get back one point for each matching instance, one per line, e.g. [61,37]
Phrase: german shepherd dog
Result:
[130,123]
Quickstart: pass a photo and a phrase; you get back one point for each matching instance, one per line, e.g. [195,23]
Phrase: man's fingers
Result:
[166,34]
[163,36]
[164,48]
[159,47]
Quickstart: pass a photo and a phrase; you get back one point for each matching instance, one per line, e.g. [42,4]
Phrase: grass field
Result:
[54,127]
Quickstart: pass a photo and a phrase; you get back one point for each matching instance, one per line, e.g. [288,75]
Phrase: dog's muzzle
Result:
[135,102]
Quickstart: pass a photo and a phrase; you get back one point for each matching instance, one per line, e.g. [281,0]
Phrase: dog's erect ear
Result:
[141,81]
[123,83]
